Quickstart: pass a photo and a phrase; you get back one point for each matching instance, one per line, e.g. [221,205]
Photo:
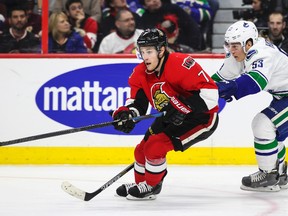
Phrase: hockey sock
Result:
[155,171]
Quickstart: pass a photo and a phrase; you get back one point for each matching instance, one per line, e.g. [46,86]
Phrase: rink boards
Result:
[48,93]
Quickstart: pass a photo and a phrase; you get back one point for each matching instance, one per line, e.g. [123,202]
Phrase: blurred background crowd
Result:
[113,26]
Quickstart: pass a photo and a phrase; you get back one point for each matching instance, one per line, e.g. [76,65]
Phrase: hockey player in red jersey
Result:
[170,82]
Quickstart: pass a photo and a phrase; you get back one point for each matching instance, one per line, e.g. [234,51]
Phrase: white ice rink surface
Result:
[187,190]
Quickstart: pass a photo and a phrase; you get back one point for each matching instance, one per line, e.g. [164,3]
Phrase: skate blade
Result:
[150,197]
[116,195]
[274,188]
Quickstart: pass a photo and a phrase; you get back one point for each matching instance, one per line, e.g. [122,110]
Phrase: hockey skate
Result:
[283,179]
[143,191]
[261,181]
[123,189]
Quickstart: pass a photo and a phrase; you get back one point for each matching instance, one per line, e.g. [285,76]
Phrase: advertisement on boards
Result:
[46,95]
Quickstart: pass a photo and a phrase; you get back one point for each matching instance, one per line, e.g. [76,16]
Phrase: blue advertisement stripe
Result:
[85,96]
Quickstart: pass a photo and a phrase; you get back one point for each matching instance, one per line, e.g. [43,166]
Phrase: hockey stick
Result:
[74,130]
[86,196]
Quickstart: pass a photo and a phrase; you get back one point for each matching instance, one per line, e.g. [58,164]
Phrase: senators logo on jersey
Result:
[160,99]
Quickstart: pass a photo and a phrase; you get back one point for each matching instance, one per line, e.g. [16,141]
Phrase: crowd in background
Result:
[270,17]
[105,26]
[113,26]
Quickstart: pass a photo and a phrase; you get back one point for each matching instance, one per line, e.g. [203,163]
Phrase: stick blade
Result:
[73,191]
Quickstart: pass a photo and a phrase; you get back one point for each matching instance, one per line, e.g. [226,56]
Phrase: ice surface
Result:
[187,191]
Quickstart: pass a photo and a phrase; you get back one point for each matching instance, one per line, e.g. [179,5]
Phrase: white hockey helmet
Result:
[240,32]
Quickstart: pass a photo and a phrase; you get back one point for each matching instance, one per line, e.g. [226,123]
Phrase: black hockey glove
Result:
[176,111]
[125,115]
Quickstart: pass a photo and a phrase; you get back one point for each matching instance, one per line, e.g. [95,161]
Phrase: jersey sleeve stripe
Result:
[259,78]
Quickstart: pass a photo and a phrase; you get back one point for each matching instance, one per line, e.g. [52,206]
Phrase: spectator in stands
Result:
[61,38]
[200,11]
[258,14]
[203,12]
[5,5]
[124,39]
[107,26]
[17,39]
[261,11]
[189,31]
[277,25]
[109,13]
[170,27]
[91,7]
[82,23]
[34,20]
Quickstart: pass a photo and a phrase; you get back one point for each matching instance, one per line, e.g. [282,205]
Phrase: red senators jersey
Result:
[180,76]
[91,29]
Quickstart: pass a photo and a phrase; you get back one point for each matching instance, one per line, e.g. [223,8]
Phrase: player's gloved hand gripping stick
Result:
[125,118]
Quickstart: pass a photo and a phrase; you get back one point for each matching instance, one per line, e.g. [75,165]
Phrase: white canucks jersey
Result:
[265,63]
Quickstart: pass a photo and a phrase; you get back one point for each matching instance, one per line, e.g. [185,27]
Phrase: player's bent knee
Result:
[139,154]
[157,146]
[263,128]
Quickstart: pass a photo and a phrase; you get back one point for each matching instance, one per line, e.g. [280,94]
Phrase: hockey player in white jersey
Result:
[251,65]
